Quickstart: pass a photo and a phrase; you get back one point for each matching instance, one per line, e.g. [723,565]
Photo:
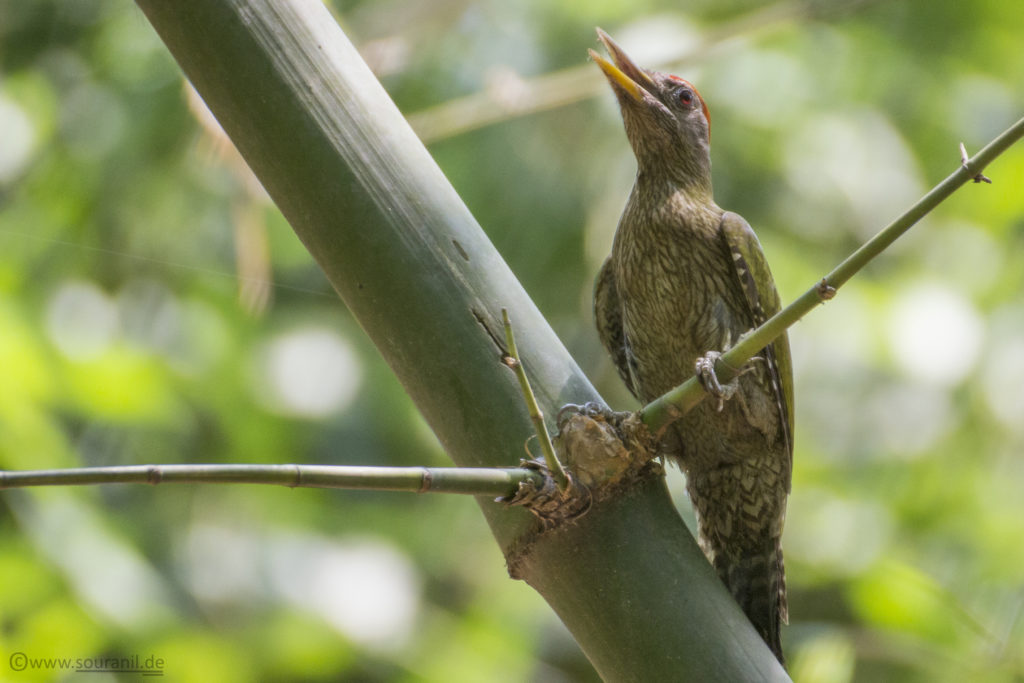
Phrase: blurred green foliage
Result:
[154,307]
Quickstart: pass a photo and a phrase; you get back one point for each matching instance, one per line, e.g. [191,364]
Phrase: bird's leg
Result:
[705,371]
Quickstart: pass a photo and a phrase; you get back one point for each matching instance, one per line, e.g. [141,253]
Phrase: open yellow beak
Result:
[623,73]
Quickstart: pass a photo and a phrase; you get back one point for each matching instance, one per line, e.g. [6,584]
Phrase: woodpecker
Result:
[685,279]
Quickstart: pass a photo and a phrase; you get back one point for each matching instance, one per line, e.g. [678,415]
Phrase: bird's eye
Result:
[685,96]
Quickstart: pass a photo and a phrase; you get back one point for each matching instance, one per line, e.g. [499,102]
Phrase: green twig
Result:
[513,361]
[474,481]
[665,409]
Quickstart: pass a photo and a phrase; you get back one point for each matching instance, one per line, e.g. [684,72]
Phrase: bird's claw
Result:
[705,371]
[591,409]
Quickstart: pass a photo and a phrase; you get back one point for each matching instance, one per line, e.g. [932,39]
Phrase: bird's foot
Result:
[601,446]
[591,409]
[705,371]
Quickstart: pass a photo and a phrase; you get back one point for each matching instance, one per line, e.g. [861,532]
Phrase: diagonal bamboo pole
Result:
[415,269]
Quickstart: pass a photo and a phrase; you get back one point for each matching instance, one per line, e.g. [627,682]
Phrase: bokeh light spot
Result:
[310,373]
[935,334]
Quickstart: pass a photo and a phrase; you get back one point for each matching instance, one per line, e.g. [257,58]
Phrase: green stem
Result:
[474,481]
[536,416]
[669,407]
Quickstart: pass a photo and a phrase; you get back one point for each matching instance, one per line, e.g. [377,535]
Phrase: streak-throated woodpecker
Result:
[685,279]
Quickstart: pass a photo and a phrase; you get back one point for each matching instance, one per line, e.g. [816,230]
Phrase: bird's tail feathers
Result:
[740,517]
[757,581]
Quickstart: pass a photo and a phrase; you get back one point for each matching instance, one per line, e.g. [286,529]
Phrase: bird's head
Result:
[666,119]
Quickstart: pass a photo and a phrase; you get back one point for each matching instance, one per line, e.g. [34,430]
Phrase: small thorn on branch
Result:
[825,290]
[980,177]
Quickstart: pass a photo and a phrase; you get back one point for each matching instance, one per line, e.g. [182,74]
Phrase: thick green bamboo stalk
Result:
[413,266]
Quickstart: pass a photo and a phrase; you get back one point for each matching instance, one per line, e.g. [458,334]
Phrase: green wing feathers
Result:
[763,299]
[608,316]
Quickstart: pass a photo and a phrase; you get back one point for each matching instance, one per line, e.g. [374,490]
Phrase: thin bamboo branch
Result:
[536,416]
[669,407]
[473,481]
